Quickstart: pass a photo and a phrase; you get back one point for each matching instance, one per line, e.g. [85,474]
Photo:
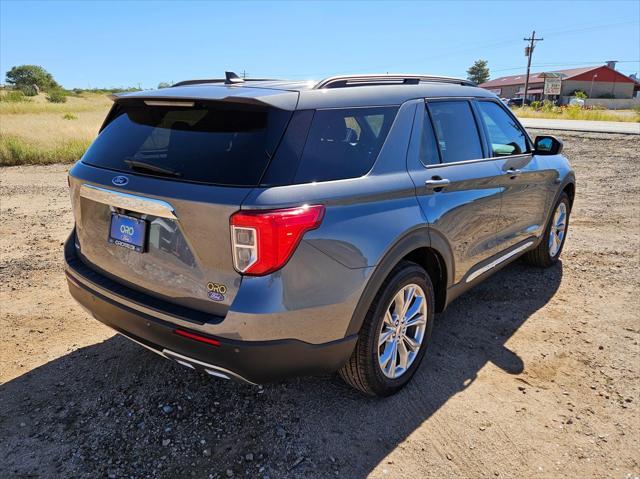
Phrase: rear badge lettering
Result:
[216,291]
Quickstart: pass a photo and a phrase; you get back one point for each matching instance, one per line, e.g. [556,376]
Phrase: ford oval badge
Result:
[120,180]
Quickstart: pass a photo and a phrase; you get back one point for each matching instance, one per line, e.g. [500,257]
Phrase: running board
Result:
[498,261]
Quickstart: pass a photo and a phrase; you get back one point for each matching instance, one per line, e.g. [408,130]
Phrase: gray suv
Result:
[259,229]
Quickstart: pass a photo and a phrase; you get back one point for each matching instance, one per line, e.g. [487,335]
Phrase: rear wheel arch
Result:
[416,247]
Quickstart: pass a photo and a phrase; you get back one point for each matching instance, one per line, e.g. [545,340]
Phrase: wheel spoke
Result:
[385,335]
[388,319]
[556,244]
[414,308]
[399,304]
[412,344]
[393,359]
[403,355]
[387,355]
[416,321]
[409,294]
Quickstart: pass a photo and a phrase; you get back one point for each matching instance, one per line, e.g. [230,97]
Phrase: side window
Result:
[343,143]
[456,130]
[428,145]
[505,137]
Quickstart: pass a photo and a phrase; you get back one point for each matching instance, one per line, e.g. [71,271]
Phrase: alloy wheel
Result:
[558,229]
[402,331]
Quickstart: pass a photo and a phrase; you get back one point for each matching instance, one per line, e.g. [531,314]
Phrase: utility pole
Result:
[528,51]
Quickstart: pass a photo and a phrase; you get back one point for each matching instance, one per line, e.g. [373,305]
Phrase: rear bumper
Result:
[247,361]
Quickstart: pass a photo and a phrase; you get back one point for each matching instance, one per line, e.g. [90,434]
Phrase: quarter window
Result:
[344,143]
[505,136]
[456,130]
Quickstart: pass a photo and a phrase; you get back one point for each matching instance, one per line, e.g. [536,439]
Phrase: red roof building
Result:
[597,82]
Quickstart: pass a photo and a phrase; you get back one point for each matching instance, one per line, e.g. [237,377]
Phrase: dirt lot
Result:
[532,374]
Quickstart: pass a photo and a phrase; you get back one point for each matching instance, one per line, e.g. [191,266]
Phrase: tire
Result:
[544,255]
[363,370]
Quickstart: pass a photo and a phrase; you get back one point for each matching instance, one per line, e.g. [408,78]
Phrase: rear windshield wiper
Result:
[150,167]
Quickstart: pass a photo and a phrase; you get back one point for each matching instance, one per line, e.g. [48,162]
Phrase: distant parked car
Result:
[504,100]
[517,102]
[576,101]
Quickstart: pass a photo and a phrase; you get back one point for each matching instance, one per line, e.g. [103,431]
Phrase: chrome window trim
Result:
[117,199]
[493,158]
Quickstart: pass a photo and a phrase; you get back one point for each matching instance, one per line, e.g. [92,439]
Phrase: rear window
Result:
[343,143]
[214,143]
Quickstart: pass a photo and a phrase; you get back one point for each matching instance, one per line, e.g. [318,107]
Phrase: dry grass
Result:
[39,104]
[578,114]
[39,132]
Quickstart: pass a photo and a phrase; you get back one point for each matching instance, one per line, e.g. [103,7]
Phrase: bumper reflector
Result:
[196,337]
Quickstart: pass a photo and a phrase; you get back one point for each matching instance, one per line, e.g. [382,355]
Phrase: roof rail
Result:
[386,79]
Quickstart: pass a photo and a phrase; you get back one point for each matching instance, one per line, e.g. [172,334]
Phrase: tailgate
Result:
[153,194]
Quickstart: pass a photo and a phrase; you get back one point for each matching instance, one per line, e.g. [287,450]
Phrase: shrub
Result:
[536,104]
[574,112]
[14,96]
[548,106]
[57,96]
[579,94]
[28,90]
[69,116]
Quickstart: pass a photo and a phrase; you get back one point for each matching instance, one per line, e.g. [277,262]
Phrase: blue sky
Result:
[113,44]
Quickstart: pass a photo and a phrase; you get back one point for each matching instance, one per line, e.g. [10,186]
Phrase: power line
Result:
[561,64]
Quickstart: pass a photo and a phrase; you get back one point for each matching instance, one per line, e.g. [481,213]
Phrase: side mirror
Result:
[547,145]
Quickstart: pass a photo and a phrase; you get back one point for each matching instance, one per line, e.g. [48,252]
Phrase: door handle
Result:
[436,183]
[513,172]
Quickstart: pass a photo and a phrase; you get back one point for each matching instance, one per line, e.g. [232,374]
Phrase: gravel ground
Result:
[531,374]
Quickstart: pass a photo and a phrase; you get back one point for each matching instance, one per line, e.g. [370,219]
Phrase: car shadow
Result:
[116,409]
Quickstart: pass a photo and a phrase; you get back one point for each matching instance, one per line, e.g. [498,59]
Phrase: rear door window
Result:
[505,136]
[456,130]
[214,143]
[343,143]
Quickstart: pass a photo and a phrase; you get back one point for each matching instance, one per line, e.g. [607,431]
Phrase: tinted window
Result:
[211,143]
[343,143]
[456,130]
[505,137]
[428,145]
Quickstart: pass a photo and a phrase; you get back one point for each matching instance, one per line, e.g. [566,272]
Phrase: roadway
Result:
[628,128]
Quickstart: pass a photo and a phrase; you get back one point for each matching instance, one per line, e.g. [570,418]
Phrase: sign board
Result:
[552,86]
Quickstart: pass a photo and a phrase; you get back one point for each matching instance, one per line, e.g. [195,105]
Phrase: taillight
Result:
[264,240]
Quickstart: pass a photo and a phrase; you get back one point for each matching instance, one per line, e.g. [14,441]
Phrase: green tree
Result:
[163,84]
[26,76]
[478,72]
